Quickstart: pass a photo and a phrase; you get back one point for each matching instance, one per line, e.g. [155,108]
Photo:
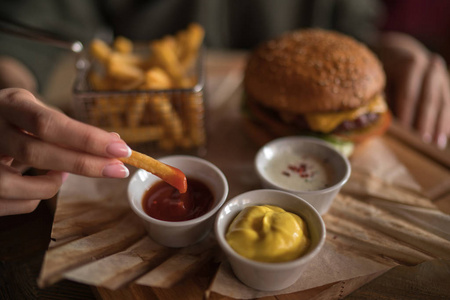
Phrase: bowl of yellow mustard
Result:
[269,237]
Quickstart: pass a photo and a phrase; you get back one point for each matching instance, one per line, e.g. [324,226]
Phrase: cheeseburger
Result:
[315,81]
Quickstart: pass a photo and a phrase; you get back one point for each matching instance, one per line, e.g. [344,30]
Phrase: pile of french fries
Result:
[166,110]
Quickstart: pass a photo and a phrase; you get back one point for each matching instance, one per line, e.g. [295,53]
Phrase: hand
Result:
[38,136]
[418,86]
[13,73]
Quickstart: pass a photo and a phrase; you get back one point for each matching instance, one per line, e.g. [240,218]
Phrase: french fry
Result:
[123,45]
[119,69]
[111,112]
[100,50]
[168,117]
[169,174]
[193,111]
[189,42]
[186,142]
[136,110]
[97,81]
[167,144]
[166,55]
[131,59]
[174,54]
[125,85]
[167,66]
[157,79]
[95,116]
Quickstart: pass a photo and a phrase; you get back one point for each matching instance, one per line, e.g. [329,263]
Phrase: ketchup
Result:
[164,202]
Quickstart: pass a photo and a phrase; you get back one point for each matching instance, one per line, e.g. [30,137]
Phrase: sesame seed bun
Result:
[314,82]
[313,70]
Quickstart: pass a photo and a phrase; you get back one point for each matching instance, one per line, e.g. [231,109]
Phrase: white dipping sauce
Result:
[300,172]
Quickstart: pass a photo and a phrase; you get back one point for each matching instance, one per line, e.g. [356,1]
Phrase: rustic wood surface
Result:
[24,240]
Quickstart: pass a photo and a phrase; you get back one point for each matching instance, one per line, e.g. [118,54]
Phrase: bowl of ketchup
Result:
[175,219]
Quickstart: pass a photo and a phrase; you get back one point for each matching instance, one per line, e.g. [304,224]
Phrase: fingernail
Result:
[115,134]
[442,141]
[118,149]
[115,171]
[426,137]
[64,176]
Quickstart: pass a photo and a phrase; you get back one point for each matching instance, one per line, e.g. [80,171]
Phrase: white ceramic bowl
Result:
[338,165]
[262,275]
[182,233]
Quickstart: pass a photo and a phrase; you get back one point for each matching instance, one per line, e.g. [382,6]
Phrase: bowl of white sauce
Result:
[305,166]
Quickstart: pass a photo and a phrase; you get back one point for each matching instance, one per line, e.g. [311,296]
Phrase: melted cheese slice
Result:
[327,122]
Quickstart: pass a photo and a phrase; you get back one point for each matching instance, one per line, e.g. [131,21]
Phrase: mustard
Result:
[268,233]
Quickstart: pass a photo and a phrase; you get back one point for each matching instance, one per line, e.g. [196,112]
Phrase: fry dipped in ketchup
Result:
[169,174]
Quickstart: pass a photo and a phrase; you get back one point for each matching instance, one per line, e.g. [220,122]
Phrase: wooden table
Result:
[24,238]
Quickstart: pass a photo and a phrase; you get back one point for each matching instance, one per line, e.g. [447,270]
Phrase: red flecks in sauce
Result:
[302,172]
[164,202]
[286,173]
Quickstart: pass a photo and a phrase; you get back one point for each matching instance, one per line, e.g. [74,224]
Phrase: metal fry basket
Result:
[151,121]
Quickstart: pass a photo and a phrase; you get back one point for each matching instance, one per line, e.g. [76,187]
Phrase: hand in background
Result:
[15,74]
[41,137]
[418,86]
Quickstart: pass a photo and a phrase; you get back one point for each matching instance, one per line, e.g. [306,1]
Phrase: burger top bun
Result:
[313,70]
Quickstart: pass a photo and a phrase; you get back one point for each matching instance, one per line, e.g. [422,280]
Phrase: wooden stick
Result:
[411,139]
[119,269]
[81,251]
[180,265]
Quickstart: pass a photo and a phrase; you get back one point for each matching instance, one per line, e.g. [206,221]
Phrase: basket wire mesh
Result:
[152,121]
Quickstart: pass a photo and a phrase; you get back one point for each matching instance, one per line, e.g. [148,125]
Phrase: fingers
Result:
[421,90]
[34,152]
[14,186]
[24,111]
[21,194]
[408,91]
[433,116]
[443,123]
[39,136]
[13,207]
[14,73]
[429,103]
[47,139]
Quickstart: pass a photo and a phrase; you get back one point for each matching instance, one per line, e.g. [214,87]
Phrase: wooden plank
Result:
[432,176]
[426,281]
[413,141]
[443,203]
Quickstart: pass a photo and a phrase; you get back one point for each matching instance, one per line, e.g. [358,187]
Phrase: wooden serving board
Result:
[392,212]
[130,264]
